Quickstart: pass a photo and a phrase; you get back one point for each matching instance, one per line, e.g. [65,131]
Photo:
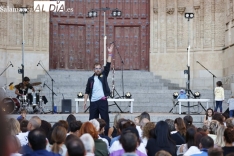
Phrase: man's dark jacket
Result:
[103,78]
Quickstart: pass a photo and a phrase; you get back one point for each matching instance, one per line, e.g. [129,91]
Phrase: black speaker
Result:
[66,106]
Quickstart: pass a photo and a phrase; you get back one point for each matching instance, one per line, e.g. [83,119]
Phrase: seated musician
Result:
[22,88]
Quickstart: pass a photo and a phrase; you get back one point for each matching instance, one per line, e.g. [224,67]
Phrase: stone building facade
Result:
[209,34]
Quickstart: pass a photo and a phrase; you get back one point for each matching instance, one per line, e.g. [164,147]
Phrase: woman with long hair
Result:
[13,126]
[161,141]
[100,146]
[113,131]
[228,139]
[219,141]
[179,136]
[147,132]
[190,141]
[59,135]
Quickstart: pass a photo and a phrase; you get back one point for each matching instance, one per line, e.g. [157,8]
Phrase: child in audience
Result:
[208,116]
[231,106]
[22,116]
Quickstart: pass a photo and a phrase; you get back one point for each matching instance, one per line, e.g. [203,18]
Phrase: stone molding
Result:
[181,10]
[170,11]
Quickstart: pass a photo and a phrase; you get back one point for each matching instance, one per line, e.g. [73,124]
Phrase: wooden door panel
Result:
[76,41]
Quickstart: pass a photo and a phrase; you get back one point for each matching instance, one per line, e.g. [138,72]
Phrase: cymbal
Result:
[35,83]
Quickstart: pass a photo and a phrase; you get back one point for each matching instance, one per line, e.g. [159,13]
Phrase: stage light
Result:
[197,94]
[128,95]
[189,15]
[23,10]
[80,95]
[175,95]
[116,13]
[92,13]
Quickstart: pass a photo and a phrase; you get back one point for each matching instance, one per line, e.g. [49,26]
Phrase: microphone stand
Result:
[52,90]
[122,64]
[213,82]
[5,69]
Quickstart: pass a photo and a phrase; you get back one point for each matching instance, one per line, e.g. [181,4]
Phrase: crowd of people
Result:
[141,137]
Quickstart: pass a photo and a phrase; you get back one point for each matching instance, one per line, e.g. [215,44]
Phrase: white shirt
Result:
[23,138]
[139,131]
[231,103]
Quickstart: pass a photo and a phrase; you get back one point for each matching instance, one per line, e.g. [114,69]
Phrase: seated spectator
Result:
[228,139]
[179,136]
[102,124]
[113,131]
[147,132]
[206,143]
[144,115]
[205,128]
[214,124]
[129,143]
[88,144]
[14,145]
[142,124]
[37,141]
[218,117]
[230,123]
[100,146]
[75,127]
[64,124]
[137,120]
[45,126]
[117,149]
[171,125]
[70,119]
[23,126]
[215,152]
[59,135]
[120,124]
[188,121]
[219,141]
[162,153]
[13,126]
[97,127]
[190,141]
[22,116]
[161,141]
[75,147]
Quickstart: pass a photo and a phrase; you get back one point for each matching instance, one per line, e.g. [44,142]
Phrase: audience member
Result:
[188,121]
[215,152]
[179,136]
[214,124]
[144,115]
[190,141]
[117,149]
[64,124]
[59,135]
[147,132]
[129,143]
[161,141]
[88,144]
[15,145]
[208,116]
[206,143]
[23,126]
[37,141]
[137,120]
[171,125]
[13,126]
[228,139]
[70,119]
[230,123]
[75,147]
[218,117]
[102,129]
[45,126]
[219,141]
[120,124]
[113,131]
[75,127]
[162,153]
[100,146]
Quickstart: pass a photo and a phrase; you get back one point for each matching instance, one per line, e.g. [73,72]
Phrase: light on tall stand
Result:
[188,16]
[23,11]
[115,13]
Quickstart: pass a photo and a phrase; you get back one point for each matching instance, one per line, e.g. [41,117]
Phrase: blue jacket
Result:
[41,153]
[103,78]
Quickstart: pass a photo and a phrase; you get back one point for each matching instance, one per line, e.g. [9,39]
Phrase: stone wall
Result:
[228,51]
[171,32]
[36,39]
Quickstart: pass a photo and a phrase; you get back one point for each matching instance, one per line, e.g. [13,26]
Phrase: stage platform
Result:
[155,117]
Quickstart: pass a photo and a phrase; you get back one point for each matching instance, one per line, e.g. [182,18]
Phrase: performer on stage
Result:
[97,90]
[22,88]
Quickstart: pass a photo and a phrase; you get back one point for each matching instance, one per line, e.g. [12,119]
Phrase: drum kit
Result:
[31,102]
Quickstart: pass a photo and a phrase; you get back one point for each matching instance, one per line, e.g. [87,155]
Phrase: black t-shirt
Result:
[23,89]
[178,138]
[227,150]
[153,148]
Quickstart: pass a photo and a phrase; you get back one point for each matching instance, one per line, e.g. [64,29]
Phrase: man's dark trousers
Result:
[100,107]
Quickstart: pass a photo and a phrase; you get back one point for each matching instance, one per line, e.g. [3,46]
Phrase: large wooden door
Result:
[76,41]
